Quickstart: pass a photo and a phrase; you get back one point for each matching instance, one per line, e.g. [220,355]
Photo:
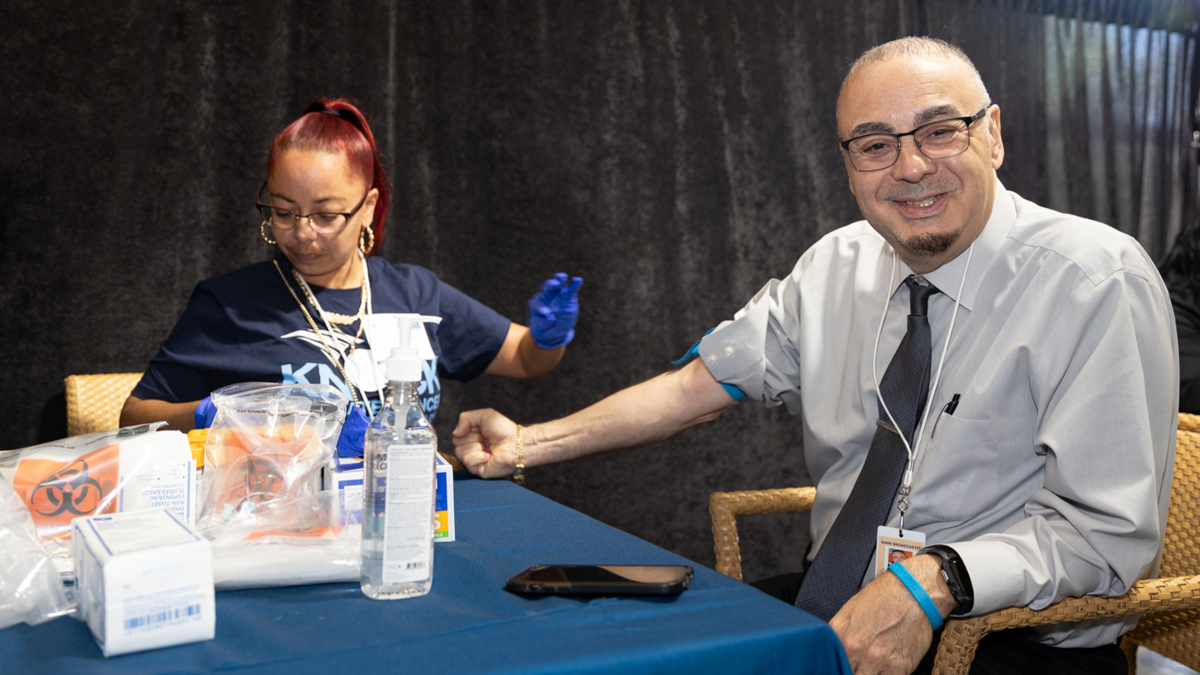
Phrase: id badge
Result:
[892,547]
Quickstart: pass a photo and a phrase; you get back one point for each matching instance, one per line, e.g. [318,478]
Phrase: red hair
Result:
[338,126]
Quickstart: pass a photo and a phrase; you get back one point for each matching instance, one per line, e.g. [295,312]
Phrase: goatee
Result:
[932,243]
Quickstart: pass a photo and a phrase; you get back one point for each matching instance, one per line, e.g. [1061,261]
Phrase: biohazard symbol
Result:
[263,480]
[69,489]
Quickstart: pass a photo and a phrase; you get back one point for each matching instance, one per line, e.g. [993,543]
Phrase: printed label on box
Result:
[348,503]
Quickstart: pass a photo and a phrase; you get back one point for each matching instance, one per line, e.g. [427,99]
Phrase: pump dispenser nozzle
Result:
[404,364]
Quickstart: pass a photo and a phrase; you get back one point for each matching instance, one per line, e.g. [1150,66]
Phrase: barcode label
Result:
[415,565]
[177,615]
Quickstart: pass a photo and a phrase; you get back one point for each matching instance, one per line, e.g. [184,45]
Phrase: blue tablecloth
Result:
[468,623]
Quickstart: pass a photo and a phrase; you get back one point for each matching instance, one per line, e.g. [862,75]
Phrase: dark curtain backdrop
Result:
[675,154]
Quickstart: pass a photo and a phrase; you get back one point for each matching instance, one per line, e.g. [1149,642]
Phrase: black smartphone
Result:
[601,580]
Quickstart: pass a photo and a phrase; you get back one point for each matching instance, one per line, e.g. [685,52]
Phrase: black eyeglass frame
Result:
[341,229]
[967,119]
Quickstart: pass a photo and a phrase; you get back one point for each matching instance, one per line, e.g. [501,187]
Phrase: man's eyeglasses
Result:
[323,222]
[936,140]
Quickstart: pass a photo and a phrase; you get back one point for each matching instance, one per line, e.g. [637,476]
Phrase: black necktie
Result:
[841,562]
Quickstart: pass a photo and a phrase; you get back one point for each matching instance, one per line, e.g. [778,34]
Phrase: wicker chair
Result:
[1171,603]
[1189,422]
[94,401]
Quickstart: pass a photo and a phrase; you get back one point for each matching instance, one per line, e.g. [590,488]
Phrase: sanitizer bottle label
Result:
[408,530]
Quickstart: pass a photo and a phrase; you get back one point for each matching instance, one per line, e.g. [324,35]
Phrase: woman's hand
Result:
[554,310]
[206,412]
[352,440]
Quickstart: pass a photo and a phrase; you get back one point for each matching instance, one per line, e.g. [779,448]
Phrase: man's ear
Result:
[994,138]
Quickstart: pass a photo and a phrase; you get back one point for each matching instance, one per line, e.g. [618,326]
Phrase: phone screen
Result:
[601,580]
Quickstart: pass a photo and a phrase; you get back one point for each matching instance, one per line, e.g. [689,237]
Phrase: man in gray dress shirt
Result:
[1045,460]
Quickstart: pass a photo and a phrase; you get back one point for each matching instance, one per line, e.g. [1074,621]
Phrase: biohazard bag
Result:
[263,508]
[30,588]
[106,472]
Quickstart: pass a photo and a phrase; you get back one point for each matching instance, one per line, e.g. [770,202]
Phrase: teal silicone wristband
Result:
[918,593]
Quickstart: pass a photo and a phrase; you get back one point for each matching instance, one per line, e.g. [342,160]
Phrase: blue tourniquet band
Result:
[922,598]
[734,392]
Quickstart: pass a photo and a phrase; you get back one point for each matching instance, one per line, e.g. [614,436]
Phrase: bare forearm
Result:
[640,415]
[520,356]
[535,360]
[179,416]
[486,441]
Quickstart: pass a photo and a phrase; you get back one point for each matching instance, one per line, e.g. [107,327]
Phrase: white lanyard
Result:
[906,483]
[350,363]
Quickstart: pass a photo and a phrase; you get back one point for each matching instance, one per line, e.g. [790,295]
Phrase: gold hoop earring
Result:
[369,244]
[262,230]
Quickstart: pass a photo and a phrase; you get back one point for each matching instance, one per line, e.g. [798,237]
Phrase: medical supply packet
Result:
[263,510]
[144,580]
[114,471]
[267,446]
[299,542]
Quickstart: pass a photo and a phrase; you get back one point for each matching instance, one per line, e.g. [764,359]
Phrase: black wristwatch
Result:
[955,574]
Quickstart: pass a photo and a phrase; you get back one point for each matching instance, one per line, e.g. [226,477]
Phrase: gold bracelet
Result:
[518,475]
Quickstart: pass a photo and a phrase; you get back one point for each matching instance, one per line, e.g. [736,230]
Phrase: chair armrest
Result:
[724,506]
[961,636]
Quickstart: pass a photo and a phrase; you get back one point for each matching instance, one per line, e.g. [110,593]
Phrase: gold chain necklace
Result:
[332,317]
[329,351]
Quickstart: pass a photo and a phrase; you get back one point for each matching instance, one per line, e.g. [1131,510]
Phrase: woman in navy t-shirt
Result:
[322,310]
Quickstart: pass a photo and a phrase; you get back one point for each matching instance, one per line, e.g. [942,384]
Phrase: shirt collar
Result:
[987,245]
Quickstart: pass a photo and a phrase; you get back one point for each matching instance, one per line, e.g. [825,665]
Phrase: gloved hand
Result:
[206,410]
[553,311]
[354,433]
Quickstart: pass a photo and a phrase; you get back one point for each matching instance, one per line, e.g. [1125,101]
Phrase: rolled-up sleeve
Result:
[755,352]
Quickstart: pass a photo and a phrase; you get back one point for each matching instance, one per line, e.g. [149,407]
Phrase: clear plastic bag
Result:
[30,588]
[301,541]
[262,506]
[267,445]
[105,472]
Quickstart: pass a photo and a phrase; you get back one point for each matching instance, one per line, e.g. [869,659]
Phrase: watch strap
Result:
[956,576]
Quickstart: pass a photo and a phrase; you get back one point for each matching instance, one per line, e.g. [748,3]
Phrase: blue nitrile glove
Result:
[206,410]
[553,311]
[354,433]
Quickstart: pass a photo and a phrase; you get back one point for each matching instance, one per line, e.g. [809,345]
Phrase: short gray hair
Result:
[914,46]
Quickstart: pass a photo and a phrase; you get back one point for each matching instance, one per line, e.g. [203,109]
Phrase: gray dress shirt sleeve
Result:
[756,352]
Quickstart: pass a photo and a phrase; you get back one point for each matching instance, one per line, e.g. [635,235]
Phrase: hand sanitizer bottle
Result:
[398,484]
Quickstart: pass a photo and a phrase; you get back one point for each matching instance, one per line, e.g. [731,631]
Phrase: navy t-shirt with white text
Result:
[245,326]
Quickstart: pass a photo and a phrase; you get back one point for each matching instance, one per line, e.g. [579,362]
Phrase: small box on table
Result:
[348,502]
[143,580]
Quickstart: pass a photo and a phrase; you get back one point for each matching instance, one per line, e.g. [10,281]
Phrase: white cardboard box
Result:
[143,580]
[348,501]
